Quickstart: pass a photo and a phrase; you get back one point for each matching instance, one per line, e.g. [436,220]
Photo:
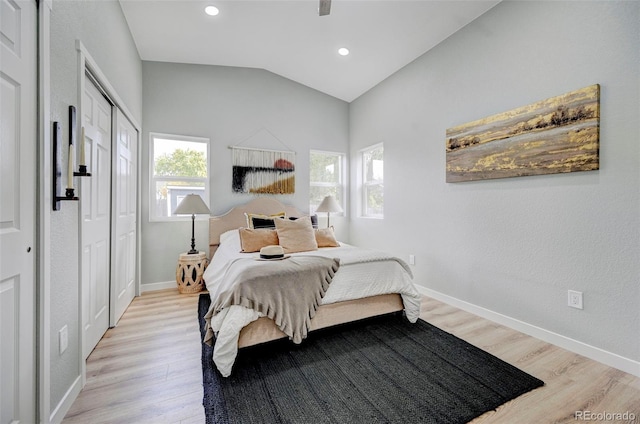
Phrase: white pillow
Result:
[228,235]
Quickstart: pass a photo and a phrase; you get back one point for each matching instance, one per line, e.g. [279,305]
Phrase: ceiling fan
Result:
[325,7]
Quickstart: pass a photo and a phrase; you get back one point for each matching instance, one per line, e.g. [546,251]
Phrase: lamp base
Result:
[192,252]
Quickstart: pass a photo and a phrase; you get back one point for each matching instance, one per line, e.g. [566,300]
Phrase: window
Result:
[372,160]
[325,178]
[179,166]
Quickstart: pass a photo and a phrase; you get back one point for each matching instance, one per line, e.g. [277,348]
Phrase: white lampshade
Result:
[192,204]
[329,204]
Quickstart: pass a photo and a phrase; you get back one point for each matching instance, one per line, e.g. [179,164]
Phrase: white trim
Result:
[87,63]
[597,354]
[342,186]
[153,179]
[193,138]
[80,110]
[45,182]
[163,285]
[327,152]
[92,66]
[67,401]
[139,216]
[363,184]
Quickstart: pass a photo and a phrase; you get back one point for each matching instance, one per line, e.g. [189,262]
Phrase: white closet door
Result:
[124,216]
[18,138]
[95,211]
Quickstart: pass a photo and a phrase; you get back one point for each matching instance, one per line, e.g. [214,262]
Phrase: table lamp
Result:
[329,204]
[192,204]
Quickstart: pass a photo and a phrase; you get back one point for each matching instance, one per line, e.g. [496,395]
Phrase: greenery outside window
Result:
[372,160]
[179,165]
[326,178]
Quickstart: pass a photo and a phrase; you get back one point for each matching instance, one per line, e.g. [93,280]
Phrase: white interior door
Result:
[95,209]
[124,216]
[18,137]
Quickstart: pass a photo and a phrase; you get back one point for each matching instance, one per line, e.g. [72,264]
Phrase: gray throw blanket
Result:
[288,291]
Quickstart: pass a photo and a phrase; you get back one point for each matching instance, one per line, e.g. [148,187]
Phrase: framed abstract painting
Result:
[556,135]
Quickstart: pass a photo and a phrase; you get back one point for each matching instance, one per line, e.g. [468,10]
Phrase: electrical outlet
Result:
[63,339]
[412,259]
[575,299]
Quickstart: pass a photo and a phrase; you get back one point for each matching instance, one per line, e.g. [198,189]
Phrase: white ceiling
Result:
[288,38]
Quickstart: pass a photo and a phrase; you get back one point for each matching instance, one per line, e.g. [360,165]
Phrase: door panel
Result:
[125,183]
[18,138]
[95,209]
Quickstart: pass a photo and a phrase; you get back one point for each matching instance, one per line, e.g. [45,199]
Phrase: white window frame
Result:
[340,185]
[153,179]
[365,184]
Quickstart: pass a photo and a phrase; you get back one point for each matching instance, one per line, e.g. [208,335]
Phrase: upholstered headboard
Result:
[236,218]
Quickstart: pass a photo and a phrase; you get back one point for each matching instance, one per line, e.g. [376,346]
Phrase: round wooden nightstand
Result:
[189,272]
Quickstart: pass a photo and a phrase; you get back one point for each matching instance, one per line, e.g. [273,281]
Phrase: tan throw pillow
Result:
[296,236]
[253,240]
[250,218]
[326,238]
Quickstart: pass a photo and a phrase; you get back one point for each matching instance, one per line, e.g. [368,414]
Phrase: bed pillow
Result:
[268,223]
[296,236]
[264,221]
[228,235]
[326,238]
[314,220]
[252,240]
[231,239]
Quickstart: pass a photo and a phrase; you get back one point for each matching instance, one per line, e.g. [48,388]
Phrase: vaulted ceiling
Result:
[289,38]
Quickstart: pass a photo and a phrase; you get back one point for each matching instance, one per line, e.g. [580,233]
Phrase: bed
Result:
[363,283]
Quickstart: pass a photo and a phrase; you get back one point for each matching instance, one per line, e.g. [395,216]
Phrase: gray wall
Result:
[515,246]
[101,27]
[228,105]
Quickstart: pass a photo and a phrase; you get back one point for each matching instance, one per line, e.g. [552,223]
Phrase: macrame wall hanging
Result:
[263,171]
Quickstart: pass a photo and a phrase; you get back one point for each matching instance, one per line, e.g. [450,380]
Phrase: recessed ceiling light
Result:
[343,51]
[211,10]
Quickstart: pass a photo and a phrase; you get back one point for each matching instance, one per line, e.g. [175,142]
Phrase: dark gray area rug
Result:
[379,370]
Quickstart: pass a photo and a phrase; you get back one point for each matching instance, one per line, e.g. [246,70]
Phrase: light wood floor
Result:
[147,369]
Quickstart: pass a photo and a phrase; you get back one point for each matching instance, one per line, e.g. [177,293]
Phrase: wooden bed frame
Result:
[264,329]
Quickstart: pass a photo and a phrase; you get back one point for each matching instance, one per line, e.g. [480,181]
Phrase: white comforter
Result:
[362,273]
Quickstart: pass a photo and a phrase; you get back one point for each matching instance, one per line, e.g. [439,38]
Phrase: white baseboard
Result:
[608,358]
[67,400]
[163,285]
